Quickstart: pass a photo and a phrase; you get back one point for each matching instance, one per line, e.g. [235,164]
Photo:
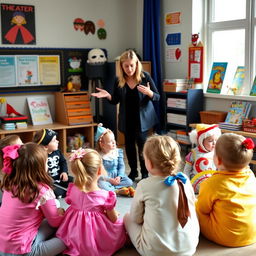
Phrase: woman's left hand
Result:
[145,90]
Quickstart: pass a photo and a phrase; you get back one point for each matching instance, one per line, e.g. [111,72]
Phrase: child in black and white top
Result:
[57,164]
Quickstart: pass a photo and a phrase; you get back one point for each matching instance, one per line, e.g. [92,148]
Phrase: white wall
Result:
[54,29]
[177,69]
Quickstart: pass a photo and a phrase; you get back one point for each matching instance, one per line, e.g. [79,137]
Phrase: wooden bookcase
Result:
[63,131]
[73,115]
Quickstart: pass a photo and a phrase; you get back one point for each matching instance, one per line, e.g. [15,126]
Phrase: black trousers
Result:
[133,138]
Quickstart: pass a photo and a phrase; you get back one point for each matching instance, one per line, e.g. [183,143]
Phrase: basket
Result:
[212,117]
[249,126]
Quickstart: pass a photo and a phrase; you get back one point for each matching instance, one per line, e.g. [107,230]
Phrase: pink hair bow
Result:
[10,153]
[77,154]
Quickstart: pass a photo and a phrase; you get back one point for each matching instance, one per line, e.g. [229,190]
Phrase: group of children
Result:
[165,217]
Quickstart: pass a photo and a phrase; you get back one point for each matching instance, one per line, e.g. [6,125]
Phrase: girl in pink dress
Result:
[91,225]
[28,214]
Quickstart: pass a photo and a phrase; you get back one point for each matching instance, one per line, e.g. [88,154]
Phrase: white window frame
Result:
[248,24]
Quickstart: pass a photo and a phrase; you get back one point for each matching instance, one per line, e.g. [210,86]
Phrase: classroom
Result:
[199,66]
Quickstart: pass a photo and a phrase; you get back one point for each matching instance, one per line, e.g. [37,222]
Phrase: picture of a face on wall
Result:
[18,24]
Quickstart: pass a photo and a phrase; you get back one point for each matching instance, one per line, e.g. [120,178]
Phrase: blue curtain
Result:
[152,50]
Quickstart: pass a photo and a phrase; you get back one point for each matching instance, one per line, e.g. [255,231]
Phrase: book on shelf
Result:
[39,110]
[217,77]
[253,90]
[232,127]
[237,85]
[238,111]
[175,85]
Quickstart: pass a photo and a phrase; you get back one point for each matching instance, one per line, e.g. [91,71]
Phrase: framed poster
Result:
[18,24]
[196,63]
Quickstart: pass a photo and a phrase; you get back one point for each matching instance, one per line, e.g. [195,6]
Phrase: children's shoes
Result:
[123,191]
[131,191]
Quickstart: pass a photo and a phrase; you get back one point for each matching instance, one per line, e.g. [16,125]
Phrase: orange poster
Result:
[172,18]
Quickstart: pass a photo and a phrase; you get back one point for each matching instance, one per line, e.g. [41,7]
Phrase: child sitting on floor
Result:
[226,205]
[91,225]
[113,161]
[200,159]
[57,164]
[162,218]
[28,215]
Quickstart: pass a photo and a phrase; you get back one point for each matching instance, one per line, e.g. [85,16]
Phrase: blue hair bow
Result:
[170,179]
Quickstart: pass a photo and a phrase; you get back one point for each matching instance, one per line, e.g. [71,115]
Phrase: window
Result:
[231,37]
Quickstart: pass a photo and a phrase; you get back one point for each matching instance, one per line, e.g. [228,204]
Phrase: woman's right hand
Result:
[101,94]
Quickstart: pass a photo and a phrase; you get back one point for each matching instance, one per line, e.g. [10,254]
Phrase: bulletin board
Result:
[196,63]
[67,62]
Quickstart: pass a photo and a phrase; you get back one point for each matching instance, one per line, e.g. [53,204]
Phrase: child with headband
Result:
[226,205]
[113,161]
[91,225]
[162,219]
[57,164]
[28,215]
[199,162]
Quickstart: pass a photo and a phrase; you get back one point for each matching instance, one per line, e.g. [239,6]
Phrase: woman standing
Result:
[135,90]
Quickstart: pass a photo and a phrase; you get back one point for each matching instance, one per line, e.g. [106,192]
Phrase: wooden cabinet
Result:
[73,108]
[64,131]
[182,109]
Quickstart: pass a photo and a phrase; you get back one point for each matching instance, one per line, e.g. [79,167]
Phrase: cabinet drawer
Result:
[72,98]
[77,104]
[80,120]
[79,112]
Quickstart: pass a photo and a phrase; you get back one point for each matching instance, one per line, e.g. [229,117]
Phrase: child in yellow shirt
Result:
[226,205]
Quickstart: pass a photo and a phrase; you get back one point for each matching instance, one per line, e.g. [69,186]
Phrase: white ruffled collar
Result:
[113,154]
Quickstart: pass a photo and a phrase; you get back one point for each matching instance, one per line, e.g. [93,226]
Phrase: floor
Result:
[205,247]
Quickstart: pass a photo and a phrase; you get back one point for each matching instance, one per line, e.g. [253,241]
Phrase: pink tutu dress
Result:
[86,230]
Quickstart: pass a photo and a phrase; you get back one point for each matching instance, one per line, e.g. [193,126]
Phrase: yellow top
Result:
[226,208]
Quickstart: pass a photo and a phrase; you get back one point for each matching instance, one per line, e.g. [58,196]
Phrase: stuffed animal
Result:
[74,83]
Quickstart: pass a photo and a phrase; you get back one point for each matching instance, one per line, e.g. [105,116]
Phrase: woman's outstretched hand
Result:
[101,94]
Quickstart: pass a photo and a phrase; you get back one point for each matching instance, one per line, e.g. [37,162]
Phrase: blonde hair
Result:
[85,169]
[232,152]
[163,152]
[128,55]
[29,170]
[102,140]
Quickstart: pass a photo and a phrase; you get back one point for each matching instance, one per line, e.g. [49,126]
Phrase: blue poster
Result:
[7,71]
[173,39]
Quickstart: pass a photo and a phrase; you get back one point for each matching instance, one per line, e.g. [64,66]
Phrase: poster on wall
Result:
[49,70]
[27,70]
[172,18]
[173,54]
[18,24]
[7,71]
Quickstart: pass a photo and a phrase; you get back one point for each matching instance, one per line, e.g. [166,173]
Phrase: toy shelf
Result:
[63,131]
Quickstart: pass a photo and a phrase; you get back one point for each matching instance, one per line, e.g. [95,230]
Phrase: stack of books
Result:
[8,126]
[183,137]
[176,103]
[21,125]
[238,111]
[176,119]
[175,85]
